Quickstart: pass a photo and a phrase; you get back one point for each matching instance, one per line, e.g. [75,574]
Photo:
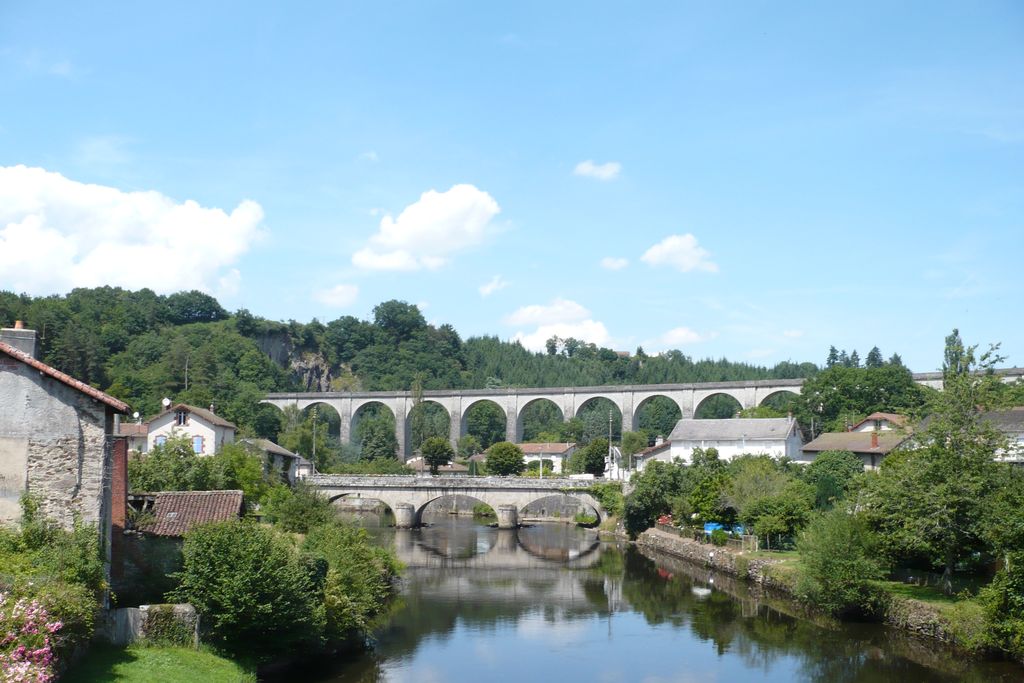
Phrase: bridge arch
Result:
[594,413]
[542,413]
[718,405]
[373,428]
[778,399]
[657,414]
[424,420]
[485,419]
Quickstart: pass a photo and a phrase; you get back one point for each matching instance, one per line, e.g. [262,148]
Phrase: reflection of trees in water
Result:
[756,628]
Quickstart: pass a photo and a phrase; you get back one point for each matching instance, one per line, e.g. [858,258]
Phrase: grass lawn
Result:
[164,664]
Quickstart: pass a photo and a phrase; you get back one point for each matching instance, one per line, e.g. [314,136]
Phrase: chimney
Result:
[20,338]
[212,410]
[118,506]
[874,439]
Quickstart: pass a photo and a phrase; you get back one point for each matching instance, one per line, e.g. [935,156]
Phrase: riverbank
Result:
[953,623]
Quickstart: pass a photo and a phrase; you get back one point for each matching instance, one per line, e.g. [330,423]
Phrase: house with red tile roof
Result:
[174,513]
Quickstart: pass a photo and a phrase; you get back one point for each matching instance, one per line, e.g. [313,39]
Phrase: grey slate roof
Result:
[1009,421]
[735,429]
[268,446]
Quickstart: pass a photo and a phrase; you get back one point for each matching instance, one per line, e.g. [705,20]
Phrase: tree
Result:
[653,492]
[468,445]
[833,357]
[248,583]
[595,455]
[436,452]
[505,458]
[930,502]
[832,474]
[874,359]
[838,561]
[633,443]
[854,359]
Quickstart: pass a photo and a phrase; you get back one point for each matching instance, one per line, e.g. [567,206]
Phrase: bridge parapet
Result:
[407,481]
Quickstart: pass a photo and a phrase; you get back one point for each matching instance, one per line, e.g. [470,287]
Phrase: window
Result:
[197,444]
[160,440]
[181,418]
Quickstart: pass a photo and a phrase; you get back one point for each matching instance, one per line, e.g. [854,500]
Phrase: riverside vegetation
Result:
[944,507]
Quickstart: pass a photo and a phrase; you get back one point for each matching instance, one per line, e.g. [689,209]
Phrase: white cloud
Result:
[430,230]
[370,156]
[590,331]
[558,311]
[614,263]
[562,318]
[338,296]
[792,334]
[678,337]
[57,234]
[606,171]
[681,252]
[497,282]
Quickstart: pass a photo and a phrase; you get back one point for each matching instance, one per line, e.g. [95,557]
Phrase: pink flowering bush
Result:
[28,636]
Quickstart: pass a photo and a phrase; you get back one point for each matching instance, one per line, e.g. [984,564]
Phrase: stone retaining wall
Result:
[908,615]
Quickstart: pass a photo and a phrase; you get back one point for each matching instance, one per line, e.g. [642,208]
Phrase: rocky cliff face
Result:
[312,370]
[277,346]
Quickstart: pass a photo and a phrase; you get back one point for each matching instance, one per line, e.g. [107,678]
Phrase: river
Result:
[550,602]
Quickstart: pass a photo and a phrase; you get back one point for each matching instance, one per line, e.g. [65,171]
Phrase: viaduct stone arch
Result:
[628,398]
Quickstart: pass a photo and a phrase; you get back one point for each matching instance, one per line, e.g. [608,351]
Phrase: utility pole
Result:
[611,462]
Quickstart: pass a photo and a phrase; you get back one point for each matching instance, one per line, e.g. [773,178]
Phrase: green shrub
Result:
[248,582]
[719,537]
[505,458]
[838,561]
[1003,604]
[359,578]
[968,625]
[297,509]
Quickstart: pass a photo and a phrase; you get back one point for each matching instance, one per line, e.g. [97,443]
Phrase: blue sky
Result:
[753,181]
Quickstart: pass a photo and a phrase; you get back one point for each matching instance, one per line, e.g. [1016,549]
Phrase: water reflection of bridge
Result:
[484,548]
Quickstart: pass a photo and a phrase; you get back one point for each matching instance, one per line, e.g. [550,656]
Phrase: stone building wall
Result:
[53,442]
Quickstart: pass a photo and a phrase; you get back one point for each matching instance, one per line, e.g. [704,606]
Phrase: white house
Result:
[660,451]
[205,429]
[557,453]
[881,422]
[777,437]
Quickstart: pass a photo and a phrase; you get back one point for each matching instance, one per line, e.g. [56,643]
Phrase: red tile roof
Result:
[856,442]
[178,511]
[545,448]
[92,392]
[133,429]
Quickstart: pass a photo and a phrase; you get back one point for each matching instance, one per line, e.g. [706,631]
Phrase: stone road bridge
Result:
[408,495]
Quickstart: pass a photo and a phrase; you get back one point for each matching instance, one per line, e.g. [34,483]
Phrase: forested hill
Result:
[140,347]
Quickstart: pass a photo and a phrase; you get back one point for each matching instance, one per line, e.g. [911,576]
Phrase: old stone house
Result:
[55,437]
